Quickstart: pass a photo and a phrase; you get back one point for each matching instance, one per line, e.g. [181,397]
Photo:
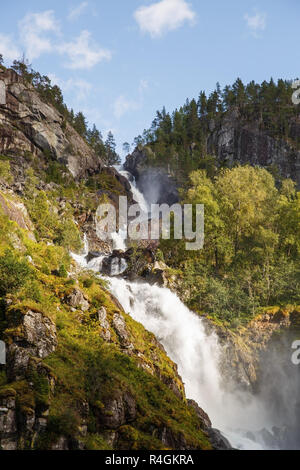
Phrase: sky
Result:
[120,61]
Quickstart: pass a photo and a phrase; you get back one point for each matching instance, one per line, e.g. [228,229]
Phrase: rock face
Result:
[17,212]
[30,126]
[30,337]
[33,335]
[233,141]
[117,411]
[156,184]
[245,351]
[77,300]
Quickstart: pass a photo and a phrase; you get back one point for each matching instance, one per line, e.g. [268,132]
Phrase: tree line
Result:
[178,139]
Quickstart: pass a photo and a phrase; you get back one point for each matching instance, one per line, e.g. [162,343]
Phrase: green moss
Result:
[96,442]
[89,369]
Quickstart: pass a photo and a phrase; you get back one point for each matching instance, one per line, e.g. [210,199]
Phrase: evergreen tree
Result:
[80,124]
[202,104]
[126,148]
[111,155]
[95,140]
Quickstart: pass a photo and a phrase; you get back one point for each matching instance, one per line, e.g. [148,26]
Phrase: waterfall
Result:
[239,415]
[197,355]
[137,195]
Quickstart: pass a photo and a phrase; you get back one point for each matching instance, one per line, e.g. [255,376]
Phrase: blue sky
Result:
[120,60]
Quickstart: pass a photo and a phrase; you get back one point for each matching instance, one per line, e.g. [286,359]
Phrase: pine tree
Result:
[126,148]
[202,104]
[80,124]
[192,121]
[238,89]
[111,154]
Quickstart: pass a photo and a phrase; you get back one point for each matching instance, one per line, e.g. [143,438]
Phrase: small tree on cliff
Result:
[126,147]
[80,124]
[1,59]
[111,154]
[23,68]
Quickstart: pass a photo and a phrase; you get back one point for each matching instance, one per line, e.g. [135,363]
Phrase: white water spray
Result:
[197,355]
[137,195]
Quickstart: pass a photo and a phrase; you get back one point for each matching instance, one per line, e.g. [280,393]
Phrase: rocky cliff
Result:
[29,126]
[234,141]
[157,185]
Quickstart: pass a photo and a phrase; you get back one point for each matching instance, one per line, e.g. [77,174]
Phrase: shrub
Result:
[5,173]
[87,283]
[14,273]
[33,291]
[62,272]
[69,236]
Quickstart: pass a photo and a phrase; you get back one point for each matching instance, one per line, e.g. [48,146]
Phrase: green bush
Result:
[5,173]
[14,273]
[33,291]
[62,272]
[87,283]
[69,236]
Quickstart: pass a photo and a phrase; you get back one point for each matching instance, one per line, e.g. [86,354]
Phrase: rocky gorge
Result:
[97,342]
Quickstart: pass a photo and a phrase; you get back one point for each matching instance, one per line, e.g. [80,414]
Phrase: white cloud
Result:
[256,23]
[40,33]
[77,11]
[122,106]
[8,48]
[83,53]
[79,87]
[144,85]
[164,16]
[35,33]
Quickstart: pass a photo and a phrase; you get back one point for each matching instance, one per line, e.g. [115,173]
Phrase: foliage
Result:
[14,273]
[5,173]
[251,251]
[179,139]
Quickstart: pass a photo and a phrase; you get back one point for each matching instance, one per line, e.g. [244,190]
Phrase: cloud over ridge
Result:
[163,16]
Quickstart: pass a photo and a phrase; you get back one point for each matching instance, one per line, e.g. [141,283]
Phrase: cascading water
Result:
[196,353]
[118,238]
[137,195]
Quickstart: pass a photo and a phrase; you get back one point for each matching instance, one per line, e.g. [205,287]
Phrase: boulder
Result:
[34,336]
[117,411]
[102,318]
[77,300]
[120,328]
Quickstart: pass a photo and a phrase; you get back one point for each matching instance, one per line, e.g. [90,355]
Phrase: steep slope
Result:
[29,126]
[234,140]
[80,373]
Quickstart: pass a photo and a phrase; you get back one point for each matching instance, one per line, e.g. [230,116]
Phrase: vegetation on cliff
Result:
[52,95]
[178,140]
[251,251]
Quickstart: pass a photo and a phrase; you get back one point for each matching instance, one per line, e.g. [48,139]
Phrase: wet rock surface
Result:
[157,185]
